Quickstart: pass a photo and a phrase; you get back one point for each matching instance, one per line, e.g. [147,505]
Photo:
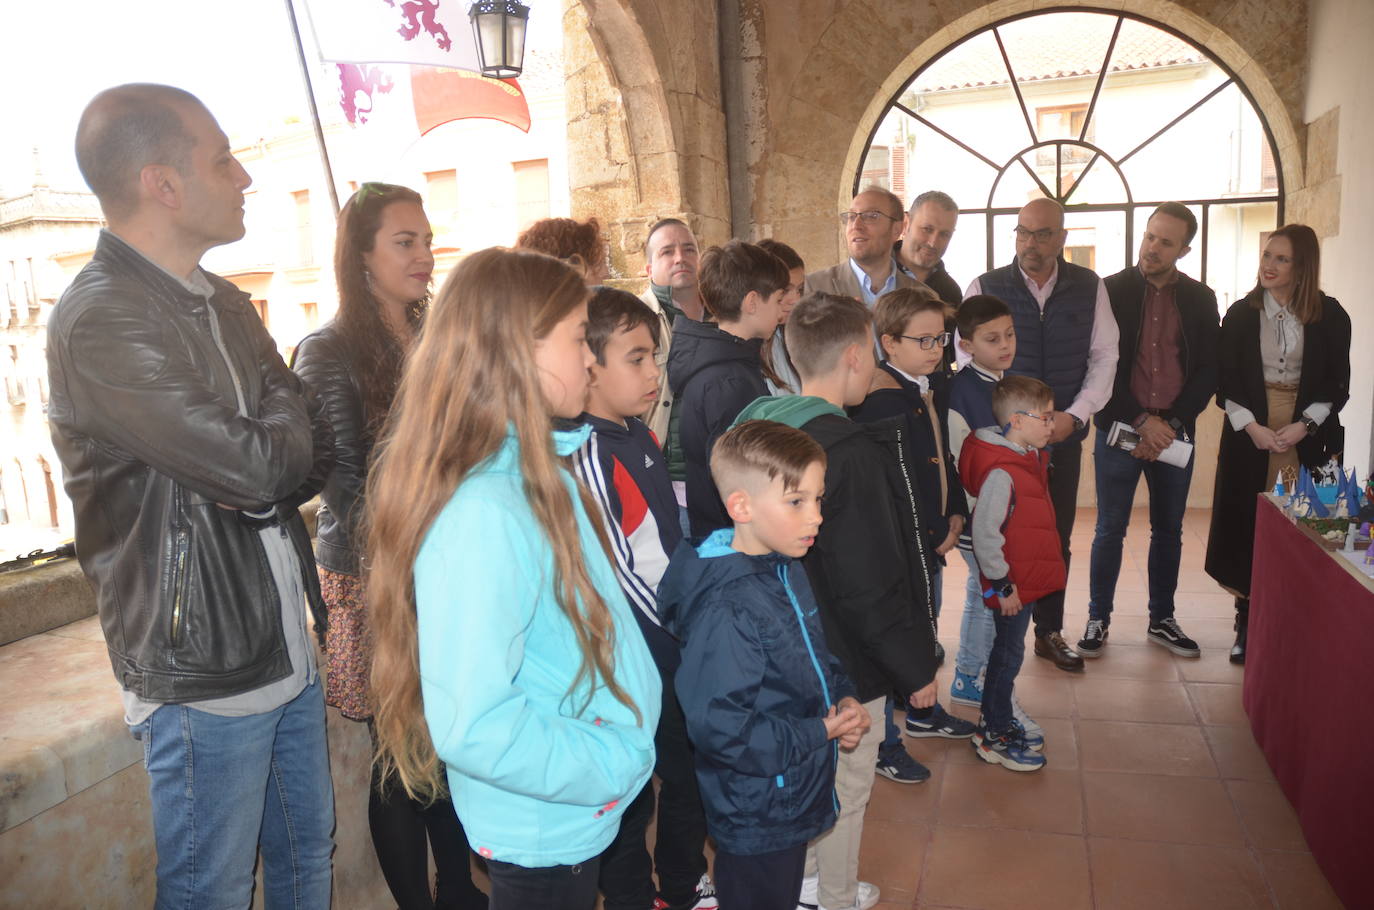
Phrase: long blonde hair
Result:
[470,378]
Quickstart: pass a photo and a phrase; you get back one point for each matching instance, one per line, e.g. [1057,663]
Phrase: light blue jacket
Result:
[534,783]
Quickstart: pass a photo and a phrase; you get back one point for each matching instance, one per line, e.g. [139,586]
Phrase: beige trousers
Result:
[834,856]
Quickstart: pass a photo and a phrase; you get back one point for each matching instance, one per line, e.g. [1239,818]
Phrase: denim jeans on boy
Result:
[220,786]
[976,629]
[1008,650]
[892,734]
[1118,474]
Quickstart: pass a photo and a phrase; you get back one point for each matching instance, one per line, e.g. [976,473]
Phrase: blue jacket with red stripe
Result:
[627,474]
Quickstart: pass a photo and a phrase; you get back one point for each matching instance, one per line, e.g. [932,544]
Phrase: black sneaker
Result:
[940,723]
[1167,633]
[897,765]
[1094,639]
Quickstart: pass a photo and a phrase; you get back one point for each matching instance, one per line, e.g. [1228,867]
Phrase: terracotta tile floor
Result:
[1154,796]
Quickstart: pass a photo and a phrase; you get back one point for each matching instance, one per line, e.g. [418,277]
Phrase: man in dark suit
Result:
[1166,374]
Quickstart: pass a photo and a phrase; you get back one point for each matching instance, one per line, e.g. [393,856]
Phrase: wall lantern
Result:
[499,28]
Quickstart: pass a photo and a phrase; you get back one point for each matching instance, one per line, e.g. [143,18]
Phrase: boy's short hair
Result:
[978,310]
[763,448]
[612,310]
[820,327]
[1019,393]
[728,273]
[789,256]
[895,309]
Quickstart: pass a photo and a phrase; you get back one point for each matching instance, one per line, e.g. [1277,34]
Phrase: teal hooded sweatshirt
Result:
[794,410]
[537,779]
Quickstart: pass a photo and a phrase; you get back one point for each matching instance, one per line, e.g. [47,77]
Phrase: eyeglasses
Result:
[927,342]
[869,217]
[1044,235]
[1046,419]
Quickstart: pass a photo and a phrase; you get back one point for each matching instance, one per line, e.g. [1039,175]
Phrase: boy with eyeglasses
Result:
[911,388]
[1017,550]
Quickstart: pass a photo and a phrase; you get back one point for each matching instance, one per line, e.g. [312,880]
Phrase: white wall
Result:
[1340,34]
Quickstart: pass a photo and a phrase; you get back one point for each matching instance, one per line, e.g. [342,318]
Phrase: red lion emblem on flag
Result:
[422,15]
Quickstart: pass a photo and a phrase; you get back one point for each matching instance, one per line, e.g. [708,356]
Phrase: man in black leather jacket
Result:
[187,446]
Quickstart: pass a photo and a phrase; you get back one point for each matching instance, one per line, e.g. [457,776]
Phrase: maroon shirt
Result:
[1157,377]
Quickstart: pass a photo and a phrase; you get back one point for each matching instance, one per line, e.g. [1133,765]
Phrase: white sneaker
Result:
[706,895]
[864,898]
[809,899]
[1023,718]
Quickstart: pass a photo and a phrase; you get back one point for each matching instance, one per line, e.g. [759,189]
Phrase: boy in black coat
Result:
[714,368]
[763,697]
[910,387]
[868,568]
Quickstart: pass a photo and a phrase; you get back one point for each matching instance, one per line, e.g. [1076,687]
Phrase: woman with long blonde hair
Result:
[503,646]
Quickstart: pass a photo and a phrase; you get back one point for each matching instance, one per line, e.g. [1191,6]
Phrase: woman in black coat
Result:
[1285,375]
[383,266]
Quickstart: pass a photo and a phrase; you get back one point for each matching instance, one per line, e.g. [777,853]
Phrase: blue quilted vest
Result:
[1053,346]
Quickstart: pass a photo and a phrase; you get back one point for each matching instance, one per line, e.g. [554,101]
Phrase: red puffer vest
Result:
[1032,548]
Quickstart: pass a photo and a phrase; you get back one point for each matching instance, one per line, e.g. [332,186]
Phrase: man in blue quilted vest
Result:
[1066,336]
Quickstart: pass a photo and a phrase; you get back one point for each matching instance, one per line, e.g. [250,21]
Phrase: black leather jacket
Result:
[144,418]
[322,360]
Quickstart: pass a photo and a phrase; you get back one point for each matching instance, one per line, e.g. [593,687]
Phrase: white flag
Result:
[425,32]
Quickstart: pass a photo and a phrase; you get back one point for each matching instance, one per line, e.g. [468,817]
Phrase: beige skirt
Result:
[1282,399]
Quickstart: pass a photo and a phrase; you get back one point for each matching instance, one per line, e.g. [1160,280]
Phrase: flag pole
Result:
[314,110]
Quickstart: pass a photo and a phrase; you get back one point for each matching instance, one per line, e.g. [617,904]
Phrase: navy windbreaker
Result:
[755,682]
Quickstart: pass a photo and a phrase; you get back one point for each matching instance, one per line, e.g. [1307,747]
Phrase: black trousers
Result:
[626,872]
[1066,463]
[404,832]
[764,881]
[549,888]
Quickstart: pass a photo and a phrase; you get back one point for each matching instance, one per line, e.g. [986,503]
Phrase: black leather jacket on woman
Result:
[322,360]
[145,419]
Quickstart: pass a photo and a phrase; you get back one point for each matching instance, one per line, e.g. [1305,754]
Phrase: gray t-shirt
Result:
[286,574]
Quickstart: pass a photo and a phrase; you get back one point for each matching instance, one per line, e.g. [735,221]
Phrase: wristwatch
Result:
[1004,588]
[1077,424]
[1310,424]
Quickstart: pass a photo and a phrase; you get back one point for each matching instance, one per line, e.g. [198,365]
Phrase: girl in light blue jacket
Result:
[505,653]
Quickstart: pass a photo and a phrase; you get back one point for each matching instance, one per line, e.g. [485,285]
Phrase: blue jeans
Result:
[222,786]
[892,736]
[1008,650]
[1117,477]
[976,630]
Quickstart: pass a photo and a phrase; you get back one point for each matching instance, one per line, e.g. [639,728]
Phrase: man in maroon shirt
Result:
[1166,374]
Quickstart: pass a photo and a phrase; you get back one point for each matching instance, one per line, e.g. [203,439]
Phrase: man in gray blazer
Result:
[873,224]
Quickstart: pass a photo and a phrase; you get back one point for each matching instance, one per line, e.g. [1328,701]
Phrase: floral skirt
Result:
[348,646]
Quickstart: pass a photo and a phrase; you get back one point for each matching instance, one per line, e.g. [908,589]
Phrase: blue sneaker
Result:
[940,723]
[897,765]
[1008,749]
[966,689]
[1034,741]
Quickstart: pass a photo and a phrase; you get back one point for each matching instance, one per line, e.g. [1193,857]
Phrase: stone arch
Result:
[645,128]
[1207,36]
[826,100]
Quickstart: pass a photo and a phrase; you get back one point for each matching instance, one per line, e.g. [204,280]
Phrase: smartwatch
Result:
[1002,589]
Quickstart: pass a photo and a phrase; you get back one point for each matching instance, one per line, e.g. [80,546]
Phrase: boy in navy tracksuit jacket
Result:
[715,368]
[625,471]
[763,697]
[910,387]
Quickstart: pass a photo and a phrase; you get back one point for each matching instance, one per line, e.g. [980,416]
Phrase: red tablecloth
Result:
[1309,678]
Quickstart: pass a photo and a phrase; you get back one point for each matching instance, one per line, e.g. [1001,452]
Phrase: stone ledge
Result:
[41,598]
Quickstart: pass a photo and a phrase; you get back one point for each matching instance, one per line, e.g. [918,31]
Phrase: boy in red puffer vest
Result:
[1016,545]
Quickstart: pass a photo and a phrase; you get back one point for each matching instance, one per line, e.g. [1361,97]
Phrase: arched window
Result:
[1107,113]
